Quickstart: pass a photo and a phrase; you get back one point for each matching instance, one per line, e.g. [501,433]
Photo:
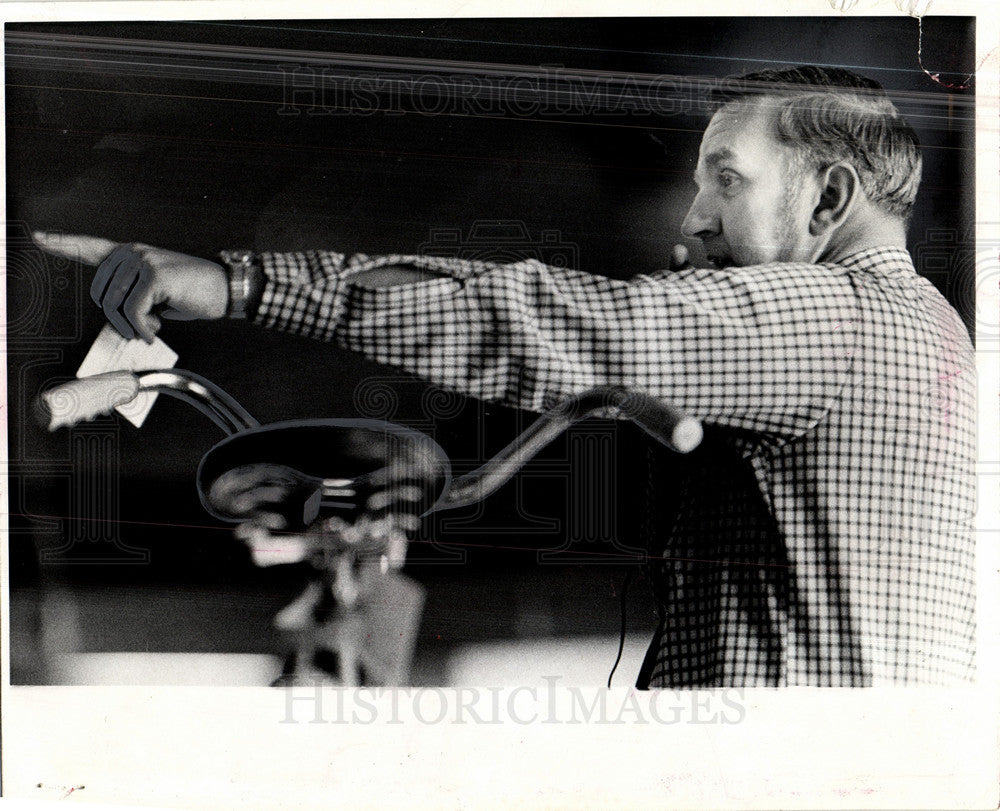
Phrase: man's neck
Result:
[861,233]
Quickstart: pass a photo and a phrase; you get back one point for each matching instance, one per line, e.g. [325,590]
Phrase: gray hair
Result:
[829,115]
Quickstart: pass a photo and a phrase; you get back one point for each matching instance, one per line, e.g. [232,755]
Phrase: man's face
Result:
[751,207]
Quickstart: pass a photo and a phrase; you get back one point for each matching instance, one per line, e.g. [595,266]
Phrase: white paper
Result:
[112,352]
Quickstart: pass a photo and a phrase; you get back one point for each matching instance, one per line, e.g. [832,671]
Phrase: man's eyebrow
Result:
[719,155]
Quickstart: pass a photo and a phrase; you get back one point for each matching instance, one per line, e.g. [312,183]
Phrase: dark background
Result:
[199,150]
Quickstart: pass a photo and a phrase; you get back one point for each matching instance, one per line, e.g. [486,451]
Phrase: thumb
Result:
[89,250]
[679,258]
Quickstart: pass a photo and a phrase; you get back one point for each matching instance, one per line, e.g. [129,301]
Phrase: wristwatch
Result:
[242,272]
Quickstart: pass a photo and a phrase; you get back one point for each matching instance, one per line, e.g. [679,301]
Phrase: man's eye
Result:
[728,179]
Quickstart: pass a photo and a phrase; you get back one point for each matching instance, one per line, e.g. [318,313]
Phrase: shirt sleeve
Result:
[764,349]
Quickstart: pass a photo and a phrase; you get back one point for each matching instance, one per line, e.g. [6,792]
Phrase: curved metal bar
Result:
[661,421]
[202,394]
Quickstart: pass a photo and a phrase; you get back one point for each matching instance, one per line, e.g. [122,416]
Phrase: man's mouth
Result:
[720,261]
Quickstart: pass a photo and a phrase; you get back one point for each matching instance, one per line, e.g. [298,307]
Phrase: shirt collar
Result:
[883,257]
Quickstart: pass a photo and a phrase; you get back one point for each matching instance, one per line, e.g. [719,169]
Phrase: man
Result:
[833,545]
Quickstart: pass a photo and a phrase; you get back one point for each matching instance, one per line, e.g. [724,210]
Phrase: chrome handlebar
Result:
[86,398]
[89,397]
[663,422]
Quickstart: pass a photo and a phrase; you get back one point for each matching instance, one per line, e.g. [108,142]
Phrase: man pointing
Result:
[841,380]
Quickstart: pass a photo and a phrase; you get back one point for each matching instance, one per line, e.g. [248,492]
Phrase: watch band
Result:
[241,268]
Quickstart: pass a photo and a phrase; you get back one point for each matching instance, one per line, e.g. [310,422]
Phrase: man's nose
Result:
[700,222]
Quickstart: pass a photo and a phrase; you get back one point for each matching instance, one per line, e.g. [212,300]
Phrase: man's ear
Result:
[839,190]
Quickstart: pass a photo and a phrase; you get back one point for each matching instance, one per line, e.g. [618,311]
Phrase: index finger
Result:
[90,250]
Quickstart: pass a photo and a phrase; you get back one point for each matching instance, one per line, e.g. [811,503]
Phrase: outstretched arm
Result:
[151,283]
[137,285]
[753,348]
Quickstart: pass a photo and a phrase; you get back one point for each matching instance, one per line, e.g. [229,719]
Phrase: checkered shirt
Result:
[846,391]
